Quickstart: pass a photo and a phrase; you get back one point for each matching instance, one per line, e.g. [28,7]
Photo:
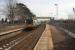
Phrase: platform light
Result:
[56,10]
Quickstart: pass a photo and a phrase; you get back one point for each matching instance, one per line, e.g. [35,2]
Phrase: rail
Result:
[6,38]
[22,41]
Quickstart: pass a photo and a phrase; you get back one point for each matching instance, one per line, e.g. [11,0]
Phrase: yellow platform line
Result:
[45,42]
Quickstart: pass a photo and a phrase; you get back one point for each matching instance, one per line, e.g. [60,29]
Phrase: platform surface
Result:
[11,29]
[45,42]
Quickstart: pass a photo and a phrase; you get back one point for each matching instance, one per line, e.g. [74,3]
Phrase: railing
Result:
[67,27]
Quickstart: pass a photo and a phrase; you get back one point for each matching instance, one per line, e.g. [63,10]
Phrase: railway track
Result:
[24,40]
[8,37]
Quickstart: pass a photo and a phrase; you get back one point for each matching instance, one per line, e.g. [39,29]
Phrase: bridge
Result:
[42,18]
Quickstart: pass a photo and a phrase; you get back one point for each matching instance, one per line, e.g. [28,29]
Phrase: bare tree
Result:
[18,11]
[11,4]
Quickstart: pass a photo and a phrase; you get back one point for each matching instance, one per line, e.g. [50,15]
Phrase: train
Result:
[30,23]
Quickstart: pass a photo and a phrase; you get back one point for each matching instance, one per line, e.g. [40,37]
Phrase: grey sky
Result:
[47,7]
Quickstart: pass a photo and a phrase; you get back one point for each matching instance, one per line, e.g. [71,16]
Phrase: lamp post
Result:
[74,12]
[56,10]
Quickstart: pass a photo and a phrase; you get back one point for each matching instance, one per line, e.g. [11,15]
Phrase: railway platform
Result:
[11,29]
[45,42]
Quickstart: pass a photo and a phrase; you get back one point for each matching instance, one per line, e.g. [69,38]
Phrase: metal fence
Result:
[69,25]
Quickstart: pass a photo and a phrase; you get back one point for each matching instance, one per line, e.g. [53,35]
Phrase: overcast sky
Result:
[47,7]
